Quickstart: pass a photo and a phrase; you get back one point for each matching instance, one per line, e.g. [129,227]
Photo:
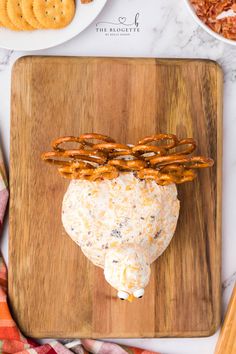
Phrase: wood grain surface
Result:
[227,340]
[54,290]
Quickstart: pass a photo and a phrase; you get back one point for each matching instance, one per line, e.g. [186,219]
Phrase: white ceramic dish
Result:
[205,27]
[42,39]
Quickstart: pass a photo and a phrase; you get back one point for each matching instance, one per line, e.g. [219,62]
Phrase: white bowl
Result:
[42,39]
[205,27]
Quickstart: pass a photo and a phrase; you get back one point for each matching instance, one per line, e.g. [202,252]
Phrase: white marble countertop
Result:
[166,30]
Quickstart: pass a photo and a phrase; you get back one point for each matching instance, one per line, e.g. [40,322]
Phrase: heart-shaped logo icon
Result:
[122,20]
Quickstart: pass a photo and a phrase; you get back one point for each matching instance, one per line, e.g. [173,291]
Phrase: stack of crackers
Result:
[29,15]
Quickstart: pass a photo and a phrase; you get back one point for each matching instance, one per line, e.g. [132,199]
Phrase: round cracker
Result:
[15,14]
[28,13]
[4,18]
[54,13]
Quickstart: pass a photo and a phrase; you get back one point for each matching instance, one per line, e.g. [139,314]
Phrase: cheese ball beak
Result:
[130,298]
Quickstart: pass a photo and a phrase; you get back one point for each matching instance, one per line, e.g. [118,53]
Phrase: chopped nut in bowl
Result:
[218,18]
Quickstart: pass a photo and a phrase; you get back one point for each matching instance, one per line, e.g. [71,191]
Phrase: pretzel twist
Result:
[112,147]
[67,139]
[190,146]
[75,167]
[159,157]
[160,138]
[90,174]
[82,141]
[67,157]
[147,152]
[167,178]
[129,165]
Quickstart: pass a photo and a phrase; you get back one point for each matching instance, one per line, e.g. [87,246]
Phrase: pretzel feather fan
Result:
[160,157]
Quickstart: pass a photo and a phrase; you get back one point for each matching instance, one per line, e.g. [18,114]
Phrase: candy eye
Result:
[139,293]
[123,295]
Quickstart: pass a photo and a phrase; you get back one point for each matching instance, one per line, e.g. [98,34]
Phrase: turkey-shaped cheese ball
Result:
[121,225]
[121,205]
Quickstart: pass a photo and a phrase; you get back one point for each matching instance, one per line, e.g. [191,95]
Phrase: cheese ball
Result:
[107,216]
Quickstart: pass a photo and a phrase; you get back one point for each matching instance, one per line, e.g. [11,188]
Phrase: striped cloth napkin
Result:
[11,339]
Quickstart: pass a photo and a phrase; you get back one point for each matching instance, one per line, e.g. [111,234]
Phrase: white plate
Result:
[42,39]
[205,27]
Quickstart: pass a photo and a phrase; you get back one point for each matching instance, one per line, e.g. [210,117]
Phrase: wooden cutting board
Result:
[227,339]
[54,290]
